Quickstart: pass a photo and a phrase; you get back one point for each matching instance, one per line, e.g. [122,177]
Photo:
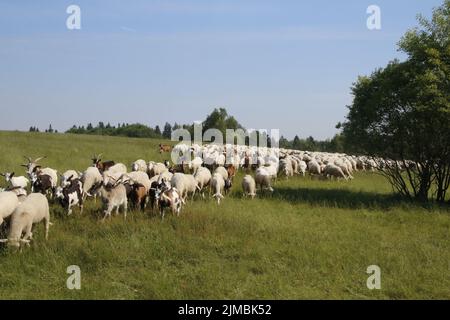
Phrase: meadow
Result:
[308,240]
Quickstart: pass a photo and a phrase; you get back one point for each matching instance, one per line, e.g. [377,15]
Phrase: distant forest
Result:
[219,119]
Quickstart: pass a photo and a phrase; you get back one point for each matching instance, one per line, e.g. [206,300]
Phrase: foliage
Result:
[402,112]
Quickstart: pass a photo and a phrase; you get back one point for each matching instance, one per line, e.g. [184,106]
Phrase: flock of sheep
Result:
[159,186]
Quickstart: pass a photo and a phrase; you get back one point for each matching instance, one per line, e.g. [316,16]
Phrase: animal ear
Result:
[24,165]
[3,240]
[11,175]
[2,174]
[70,178]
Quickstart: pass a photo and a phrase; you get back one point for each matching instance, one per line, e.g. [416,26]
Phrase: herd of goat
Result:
[159,186]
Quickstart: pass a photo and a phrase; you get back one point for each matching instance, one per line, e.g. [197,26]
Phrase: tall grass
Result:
[308,240]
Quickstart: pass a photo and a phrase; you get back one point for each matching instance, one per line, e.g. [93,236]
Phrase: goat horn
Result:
[38,159]
[28,158]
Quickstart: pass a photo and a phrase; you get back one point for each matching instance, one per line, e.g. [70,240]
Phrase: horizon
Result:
[271,65]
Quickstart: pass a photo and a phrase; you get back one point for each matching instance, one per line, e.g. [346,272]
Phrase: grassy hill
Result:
[310,239]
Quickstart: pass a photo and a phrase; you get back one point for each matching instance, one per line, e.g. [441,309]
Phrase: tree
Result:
[219,119]
[167,132]
[157,130]
[402,112]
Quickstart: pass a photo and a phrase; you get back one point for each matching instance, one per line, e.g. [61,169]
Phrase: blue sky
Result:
[284,65]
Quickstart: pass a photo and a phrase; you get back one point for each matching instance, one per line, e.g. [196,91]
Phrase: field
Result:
[309,240]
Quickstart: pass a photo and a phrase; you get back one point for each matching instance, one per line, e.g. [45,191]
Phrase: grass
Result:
[309,240]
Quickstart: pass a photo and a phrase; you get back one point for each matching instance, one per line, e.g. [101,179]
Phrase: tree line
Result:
[217,119]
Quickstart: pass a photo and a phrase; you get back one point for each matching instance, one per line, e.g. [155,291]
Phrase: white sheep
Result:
[302,166]
[32,210]
[332,170]
[139,165]
[138,177]
[285,168]
[313,167]
[185,184]
[21,181]
[155,169]
[249,186]
[8,203]
[92,181]
[195,164]
[217,186]
[222,171]
[263,179]
[203,177]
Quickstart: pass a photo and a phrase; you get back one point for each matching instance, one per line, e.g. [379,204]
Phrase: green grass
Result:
[309,240]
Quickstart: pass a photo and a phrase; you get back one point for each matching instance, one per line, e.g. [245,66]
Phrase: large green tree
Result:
[402,112]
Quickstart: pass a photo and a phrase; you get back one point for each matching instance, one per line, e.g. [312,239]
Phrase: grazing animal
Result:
[8,203]
[263,179]
[139,165]
[185,184]
[101,165]
[71,195]
[170,199]
[332,170]
[32,210]
[138,195]
[231,170]
[92,181]
[21,181]
[217,186]
[42,183]
[164,148]
[222,171]
[249,186]
[203,177]
[114,195]
[67,176]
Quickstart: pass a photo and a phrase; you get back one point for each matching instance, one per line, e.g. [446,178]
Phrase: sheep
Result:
[92,181]
[332,170]
[195,164]
[217,186]
[71,195]
[263,179]
[203,177]
[302,166]
[115,170]
[155,169]
[285,168]
[313,167]
[139,165]
[8,203]
[249,186]
[185,184]
[346,168]
[223,172]
[21,181]
[33,210]
[138,177]
[114,196]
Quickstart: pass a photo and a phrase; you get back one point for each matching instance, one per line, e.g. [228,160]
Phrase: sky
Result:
[278,64]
